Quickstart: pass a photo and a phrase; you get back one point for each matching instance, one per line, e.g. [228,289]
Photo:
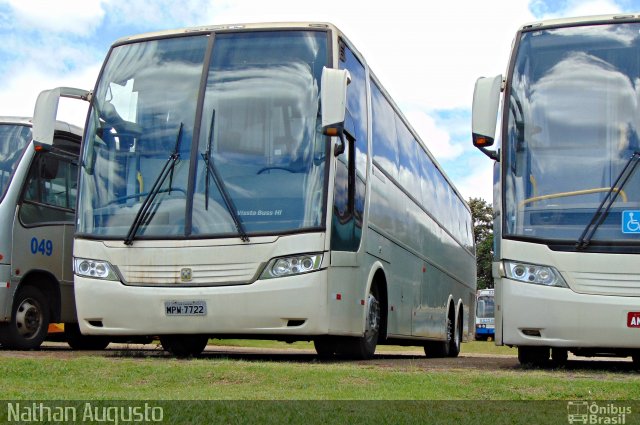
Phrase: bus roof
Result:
[595,19]
[60,125]
[231,27]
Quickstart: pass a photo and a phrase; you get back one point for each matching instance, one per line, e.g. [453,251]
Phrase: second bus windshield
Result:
[259,157]
[572,126]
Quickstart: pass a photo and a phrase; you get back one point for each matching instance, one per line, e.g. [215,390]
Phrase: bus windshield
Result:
[224,148]
[485,307]
[572,126]
[14,139]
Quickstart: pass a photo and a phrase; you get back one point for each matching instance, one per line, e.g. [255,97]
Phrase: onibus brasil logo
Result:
[584,412]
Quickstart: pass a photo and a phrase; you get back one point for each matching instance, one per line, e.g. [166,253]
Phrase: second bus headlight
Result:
[534,273]
[292,265]
[94,268]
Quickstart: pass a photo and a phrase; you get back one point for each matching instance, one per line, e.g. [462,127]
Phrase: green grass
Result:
[245,391]
[90,377]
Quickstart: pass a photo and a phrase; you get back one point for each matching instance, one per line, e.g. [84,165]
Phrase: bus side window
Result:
[50,192]
[347,225]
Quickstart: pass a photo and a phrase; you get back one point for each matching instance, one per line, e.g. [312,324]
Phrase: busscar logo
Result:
[186,274]
[584,412]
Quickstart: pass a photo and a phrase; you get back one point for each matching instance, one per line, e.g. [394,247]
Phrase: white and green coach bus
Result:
[567,204]
[38,188]
[257,181]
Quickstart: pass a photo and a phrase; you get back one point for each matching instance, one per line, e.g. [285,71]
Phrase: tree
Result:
[482,214]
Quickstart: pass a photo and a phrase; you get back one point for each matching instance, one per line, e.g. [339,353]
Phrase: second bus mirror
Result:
[46,111]
[333,98]
[486,99]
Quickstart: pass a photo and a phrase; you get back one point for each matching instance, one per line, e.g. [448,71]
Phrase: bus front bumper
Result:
[535,315]
[294,305]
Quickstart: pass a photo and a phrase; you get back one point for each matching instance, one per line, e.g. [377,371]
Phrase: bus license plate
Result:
[185,308]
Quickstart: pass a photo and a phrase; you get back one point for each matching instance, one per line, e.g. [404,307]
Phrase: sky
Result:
[427,54]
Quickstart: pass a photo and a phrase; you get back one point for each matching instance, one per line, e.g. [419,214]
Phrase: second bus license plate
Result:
[185,308]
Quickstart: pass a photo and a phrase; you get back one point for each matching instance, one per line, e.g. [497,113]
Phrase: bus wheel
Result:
[533,356]
[29,321]
[325,346]
[363,348]
[184,345]
[456,338]
[437,349]
[77,341]
[559,356]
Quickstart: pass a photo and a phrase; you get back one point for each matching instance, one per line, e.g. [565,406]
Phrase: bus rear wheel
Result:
[29,322]
[450,347]
[184,345]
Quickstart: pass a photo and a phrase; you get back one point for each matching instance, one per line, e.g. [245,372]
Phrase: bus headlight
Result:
[94,269]
[292,265]
[533,273]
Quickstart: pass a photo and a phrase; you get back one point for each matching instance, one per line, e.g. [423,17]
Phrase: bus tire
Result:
[364,347]
[29,322]
[559,356]
[325,346]
[438,349]
[184,345]
[77,341]
[456,340]
[533,356]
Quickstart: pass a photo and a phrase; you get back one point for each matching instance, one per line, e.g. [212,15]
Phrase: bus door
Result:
[44,225]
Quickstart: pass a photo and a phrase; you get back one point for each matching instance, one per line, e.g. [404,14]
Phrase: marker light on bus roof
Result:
[533,273]
[293,265]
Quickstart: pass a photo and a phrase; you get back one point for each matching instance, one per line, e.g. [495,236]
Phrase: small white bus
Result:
[485,315]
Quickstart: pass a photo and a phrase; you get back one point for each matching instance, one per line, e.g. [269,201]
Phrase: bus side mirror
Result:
[486,100]
[333,100]
[46,111]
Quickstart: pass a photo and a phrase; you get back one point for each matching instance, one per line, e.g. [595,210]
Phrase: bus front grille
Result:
[616,284]
[190,275]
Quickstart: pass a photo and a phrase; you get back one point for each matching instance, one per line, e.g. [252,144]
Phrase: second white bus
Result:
[566,270]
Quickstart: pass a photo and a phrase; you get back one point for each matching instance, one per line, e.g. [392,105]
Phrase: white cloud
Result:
[20,91]
[478,182]
[157,14]
[437,139]
[69,16]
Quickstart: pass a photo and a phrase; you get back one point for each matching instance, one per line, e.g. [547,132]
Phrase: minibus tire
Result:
[29,322]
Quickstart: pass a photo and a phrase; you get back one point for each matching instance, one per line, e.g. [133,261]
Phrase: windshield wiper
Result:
[612,194]
[213,171]
[167,170]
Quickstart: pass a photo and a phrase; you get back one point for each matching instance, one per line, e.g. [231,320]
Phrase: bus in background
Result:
[38,188]
[485,315]
[258,181]
[567,204]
